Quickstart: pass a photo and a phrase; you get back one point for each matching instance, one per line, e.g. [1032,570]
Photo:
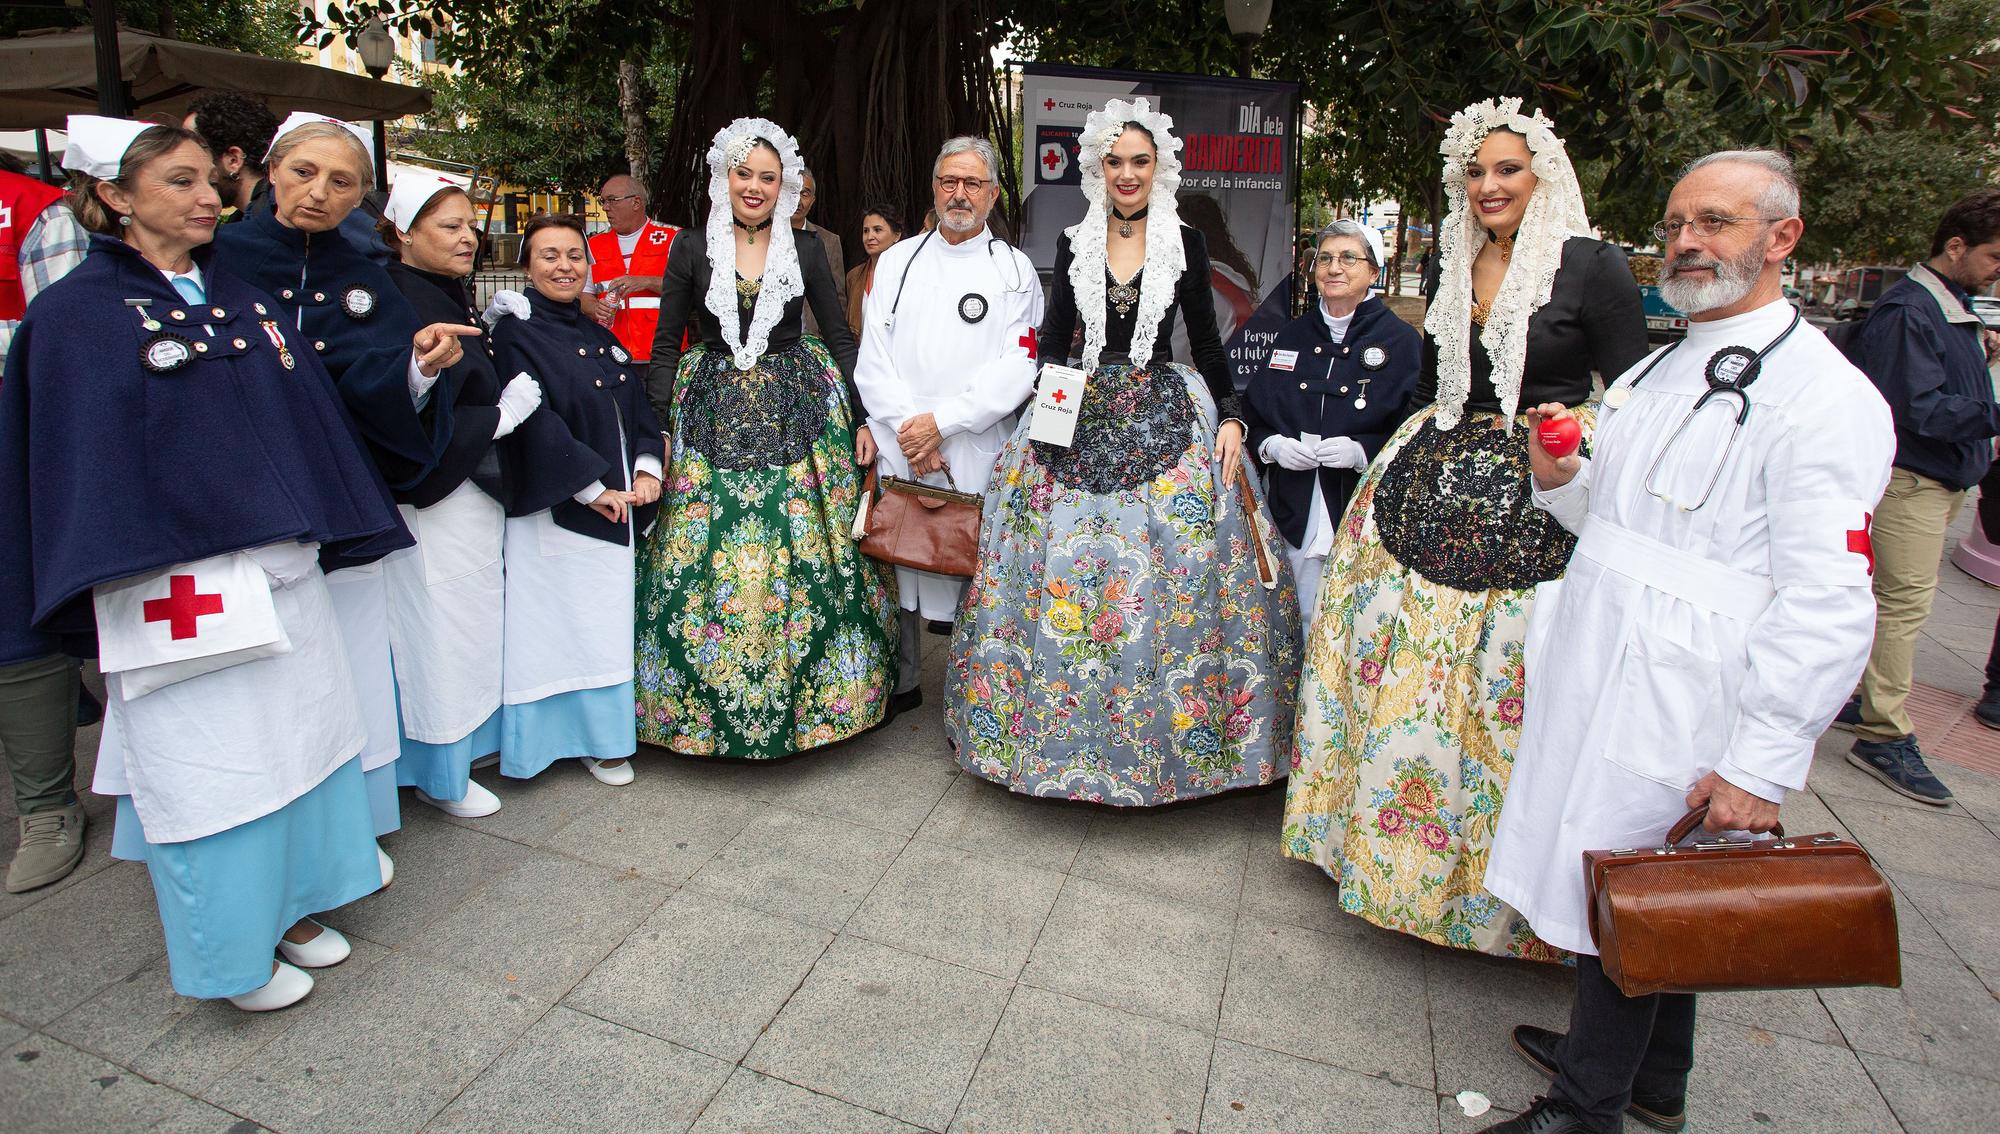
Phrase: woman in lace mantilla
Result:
[1414,676]
[762,630]
[1131,637]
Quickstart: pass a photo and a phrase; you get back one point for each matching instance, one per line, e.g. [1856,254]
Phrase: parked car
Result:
[1987,307]
[1663,322]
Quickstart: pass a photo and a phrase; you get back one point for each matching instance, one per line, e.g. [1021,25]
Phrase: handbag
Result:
[1803,912]
[919,525]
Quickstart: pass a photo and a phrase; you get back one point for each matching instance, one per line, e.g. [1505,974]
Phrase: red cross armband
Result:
[1822,543]
[193,618]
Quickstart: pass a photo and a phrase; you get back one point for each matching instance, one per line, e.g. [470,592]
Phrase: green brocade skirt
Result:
[762,629]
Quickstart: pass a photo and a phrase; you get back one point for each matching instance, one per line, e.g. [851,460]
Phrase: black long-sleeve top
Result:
[686,289]
[1594,320]
[1192,298]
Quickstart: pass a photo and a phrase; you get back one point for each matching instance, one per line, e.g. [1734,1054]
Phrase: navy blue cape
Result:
[590,388]
[354,317]
[475,415]
[109,470]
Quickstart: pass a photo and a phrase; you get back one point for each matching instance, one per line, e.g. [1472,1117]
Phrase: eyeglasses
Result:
[1705,225]
[614,199]
[1344,259]
[969,184]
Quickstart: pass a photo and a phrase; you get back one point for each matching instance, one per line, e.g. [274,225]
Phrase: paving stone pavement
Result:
[867,941]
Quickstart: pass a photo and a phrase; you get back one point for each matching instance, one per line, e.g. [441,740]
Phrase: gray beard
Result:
[1733,280]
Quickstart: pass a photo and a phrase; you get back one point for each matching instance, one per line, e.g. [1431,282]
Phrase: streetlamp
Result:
[378,50]
[1247,21]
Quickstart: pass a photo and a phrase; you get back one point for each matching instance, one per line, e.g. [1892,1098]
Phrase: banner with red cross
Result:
[203,610]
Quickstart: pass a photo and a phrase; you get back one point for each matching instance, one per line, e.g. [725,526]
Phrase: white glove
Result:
[505,303]
[1291,453]
[1341,453]
[522,397]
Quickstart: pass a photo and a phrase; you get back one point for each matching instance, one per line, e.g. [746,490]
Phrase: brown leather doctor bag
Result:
[919,525]
[1803,912]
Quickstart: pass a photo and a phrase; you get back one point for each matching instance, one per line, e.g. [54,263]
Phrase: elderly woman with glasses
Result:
[1332,391]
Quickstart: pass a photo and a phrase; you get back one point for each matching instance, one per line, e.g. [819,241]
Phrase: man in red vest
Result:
[40,241]
[626,267]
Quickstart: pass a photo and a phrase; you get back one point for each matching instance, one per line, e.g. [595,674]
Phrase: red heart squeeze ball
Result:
[1561,436]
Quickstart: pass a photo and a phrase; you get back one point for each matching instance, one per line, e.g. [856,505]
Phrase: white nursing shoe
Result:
[617,776]
[387,865]
[329,948]
[286,987]
[477,804]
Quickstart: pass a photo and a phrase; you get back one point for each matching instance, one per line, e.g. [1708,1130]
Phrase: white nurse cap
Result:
[299,118]
[97,144]
[412,192]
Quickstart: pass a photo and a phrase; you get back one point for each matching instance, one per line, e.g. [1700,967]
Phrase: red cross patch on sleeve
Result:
[1861,542]
[1028,340]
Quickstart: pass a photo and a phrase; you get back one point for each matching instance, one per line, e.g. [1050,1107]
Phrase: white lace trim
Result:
[1166,256]
[783,279]
[1555,213]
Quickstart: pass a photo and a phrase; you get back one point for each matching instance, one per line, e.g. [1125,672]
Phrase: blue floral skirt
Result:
[1119,643]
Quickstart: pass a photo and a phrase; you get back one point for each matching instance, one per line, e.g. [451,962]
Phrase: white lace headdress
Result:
[783,279]
[1166,257]
[1554,214]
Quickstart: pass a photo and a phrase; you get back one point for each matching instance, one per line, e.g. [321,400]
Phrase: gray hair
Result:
[968,144]
[317,131]
[638,186]
[1348,228]
[1780,199]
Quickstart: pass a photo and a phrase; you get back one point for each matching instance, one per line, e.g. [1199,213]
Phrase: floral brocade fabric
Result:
[1117,644]
[1411,700]
[762,630]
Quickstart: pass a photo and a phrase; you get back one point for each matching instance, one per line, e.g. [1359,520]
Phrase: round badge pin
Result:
[357,302]
[1732,368]
[1374,358]
[1616,396]
[164,354]
[972,307]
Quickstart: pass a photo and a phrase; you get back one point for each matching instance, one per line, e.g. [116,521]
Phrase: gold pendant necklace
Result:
[1505,245]
[751,230]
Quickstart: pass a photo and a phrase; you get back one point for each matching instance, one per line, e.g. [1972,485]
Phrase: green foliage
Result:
[260,27]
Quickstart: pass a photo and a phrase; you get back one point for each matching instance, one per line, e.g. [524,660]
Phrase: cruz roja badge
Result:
[165,353]
[1374,358]
[618,352]
[357,302]
[972,307]
[1732,368]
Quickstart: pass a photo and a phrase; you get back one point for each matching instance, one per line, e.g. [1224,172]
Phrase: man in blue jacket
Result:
[1928,355]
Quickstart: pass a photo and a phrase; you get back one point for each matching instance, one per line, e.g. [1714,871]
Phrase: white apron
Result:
[445,615]
[361,606]
[219,750]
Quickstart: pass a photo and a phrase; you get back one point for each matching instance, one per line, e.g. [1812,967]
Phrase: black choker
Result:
[1125,222]
[752,229]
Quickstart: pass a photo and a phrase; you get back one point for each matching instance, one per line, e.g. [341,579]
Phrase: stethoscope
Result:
[1016,279]
[1731,370]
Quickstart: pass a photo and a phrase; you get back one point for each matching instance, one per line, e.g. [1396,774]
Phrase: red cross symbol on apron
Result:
[182,608]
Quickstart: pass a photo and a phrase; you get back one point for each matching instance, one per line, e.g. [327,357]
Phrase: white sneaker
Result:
[477,804]
[286,987]
[324,951]
[491,759]
[387,865]
[617,775]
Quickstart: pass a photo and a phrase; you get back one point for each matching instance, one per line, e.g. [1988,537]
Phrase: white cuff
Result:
[589,493]
[420,383]
[1761,788]
[650,465]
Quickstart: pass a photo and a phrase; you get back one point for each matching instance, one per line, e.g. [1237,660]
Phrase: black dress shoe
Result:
[1547,1116]
[939,627]
[1987,711]
[1538,1047]
[901,703]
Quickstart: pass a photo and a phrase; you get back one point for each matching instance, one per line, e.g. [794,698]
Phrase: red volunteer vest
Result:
[635,324]
[22,199]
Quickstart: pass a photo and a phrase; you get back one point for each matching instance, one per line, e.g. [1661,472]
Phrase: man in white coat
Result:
[947,359]
[1714,617]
